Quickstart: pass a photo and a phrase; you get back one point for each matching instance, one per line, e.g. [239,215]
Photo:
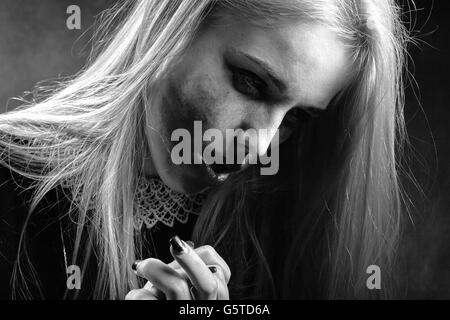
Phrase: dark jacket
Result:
[48,242]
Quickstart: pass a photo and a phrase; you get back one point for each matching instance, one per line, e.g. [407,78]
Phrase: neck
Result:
[149,168]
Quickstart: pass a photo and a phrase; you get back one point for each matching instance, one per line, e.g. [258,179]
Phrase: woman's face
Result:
[241,76]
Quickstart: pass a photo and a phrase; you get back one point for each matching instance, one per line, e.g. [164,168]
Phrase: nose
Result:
[251,139]
[267,123]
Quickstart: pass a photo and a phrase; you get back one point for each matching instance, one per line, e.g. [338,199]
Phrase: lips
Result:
[220,172]
[216,177]
[225,168]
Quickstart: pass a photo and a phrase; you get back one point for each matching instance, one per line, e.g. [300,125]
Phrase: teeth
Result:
[222,177]
[198,158]
[211,171]
[246,161]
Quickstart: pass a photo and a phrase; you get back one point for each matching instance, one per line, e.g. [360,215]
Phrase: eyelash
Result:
[258,91]
[248,83]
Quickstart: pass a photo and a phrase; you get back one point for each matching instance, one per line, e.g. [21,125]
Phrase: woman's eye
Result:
[249,84]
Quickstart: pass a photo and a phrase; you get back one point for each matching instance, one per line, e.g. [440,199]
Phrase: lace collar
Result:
[156,202]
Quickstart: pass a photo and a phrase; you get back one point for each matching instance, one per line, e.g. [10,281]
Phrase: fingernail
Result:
[135,264]
[191,244]
[177,244]
[213,269]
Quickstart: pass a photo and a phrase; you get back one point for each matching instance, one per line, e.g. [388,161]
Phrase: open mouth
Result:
[225,168]
[222,171]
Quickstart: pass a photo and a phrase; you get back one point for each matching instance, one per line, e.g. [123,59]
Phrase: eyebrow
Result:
[280,84]
[271,74]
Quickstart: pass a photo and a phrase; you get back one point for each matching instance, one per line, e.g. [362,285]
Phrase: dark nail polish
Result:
[177,244]
[213,269]
[135,264]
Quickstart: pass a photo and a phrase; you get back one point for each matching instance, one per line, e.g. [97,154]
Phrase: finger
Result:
[205,283]
[140,294]
[148,285]
[155,291]
[222,289]
[210,257]
[163,277]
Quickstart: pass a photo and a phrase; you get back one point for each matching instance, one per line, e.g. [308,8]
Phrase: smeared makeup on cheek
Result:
[181,107]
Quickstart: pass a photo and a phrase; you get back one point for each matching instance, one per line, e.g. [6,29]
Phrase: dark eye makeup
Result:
[254,87]
[248,83]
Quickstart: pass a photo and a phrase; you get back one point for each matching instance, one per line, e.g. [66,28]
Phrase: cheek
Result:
[198,99]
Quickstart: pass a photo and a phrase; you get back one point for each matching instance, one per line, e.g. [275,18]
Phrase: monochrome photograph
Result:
[248,150]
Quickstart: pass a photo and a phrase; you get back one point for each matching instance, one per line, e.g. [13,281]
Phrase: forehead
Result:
[310,58]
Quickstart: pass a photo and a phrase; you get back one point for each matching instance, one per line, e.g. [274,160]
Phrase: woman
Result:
[95,156]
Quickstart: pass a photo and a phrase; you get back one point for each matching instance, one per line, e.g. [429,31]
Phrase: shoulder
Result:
[12,217]
[13,199]
[42,231]
[17,191]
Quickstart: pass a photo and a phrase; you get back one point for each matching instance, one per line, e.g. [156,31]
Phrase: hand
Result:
[194,274]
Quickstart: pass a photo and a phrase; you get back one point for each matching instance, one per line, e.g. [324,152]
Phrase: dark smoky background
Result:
[427,115]
[36,45]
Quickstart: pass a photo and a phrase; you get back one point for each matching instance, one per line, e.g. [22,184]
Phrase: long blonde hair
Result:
[337,217]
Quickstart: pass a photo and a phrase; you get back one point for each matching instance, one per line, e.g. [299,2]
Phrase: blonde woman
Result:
[95,191]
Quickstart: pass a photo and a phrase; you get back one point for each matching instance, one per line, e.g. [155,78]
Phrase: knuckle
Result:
[210,288]
[178,288]
[223,275]
[148,285]
[136,294]
[220,273]
[207,252]
[150,265]
[129,295]
[210,256]
[152,262]
[207,247]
